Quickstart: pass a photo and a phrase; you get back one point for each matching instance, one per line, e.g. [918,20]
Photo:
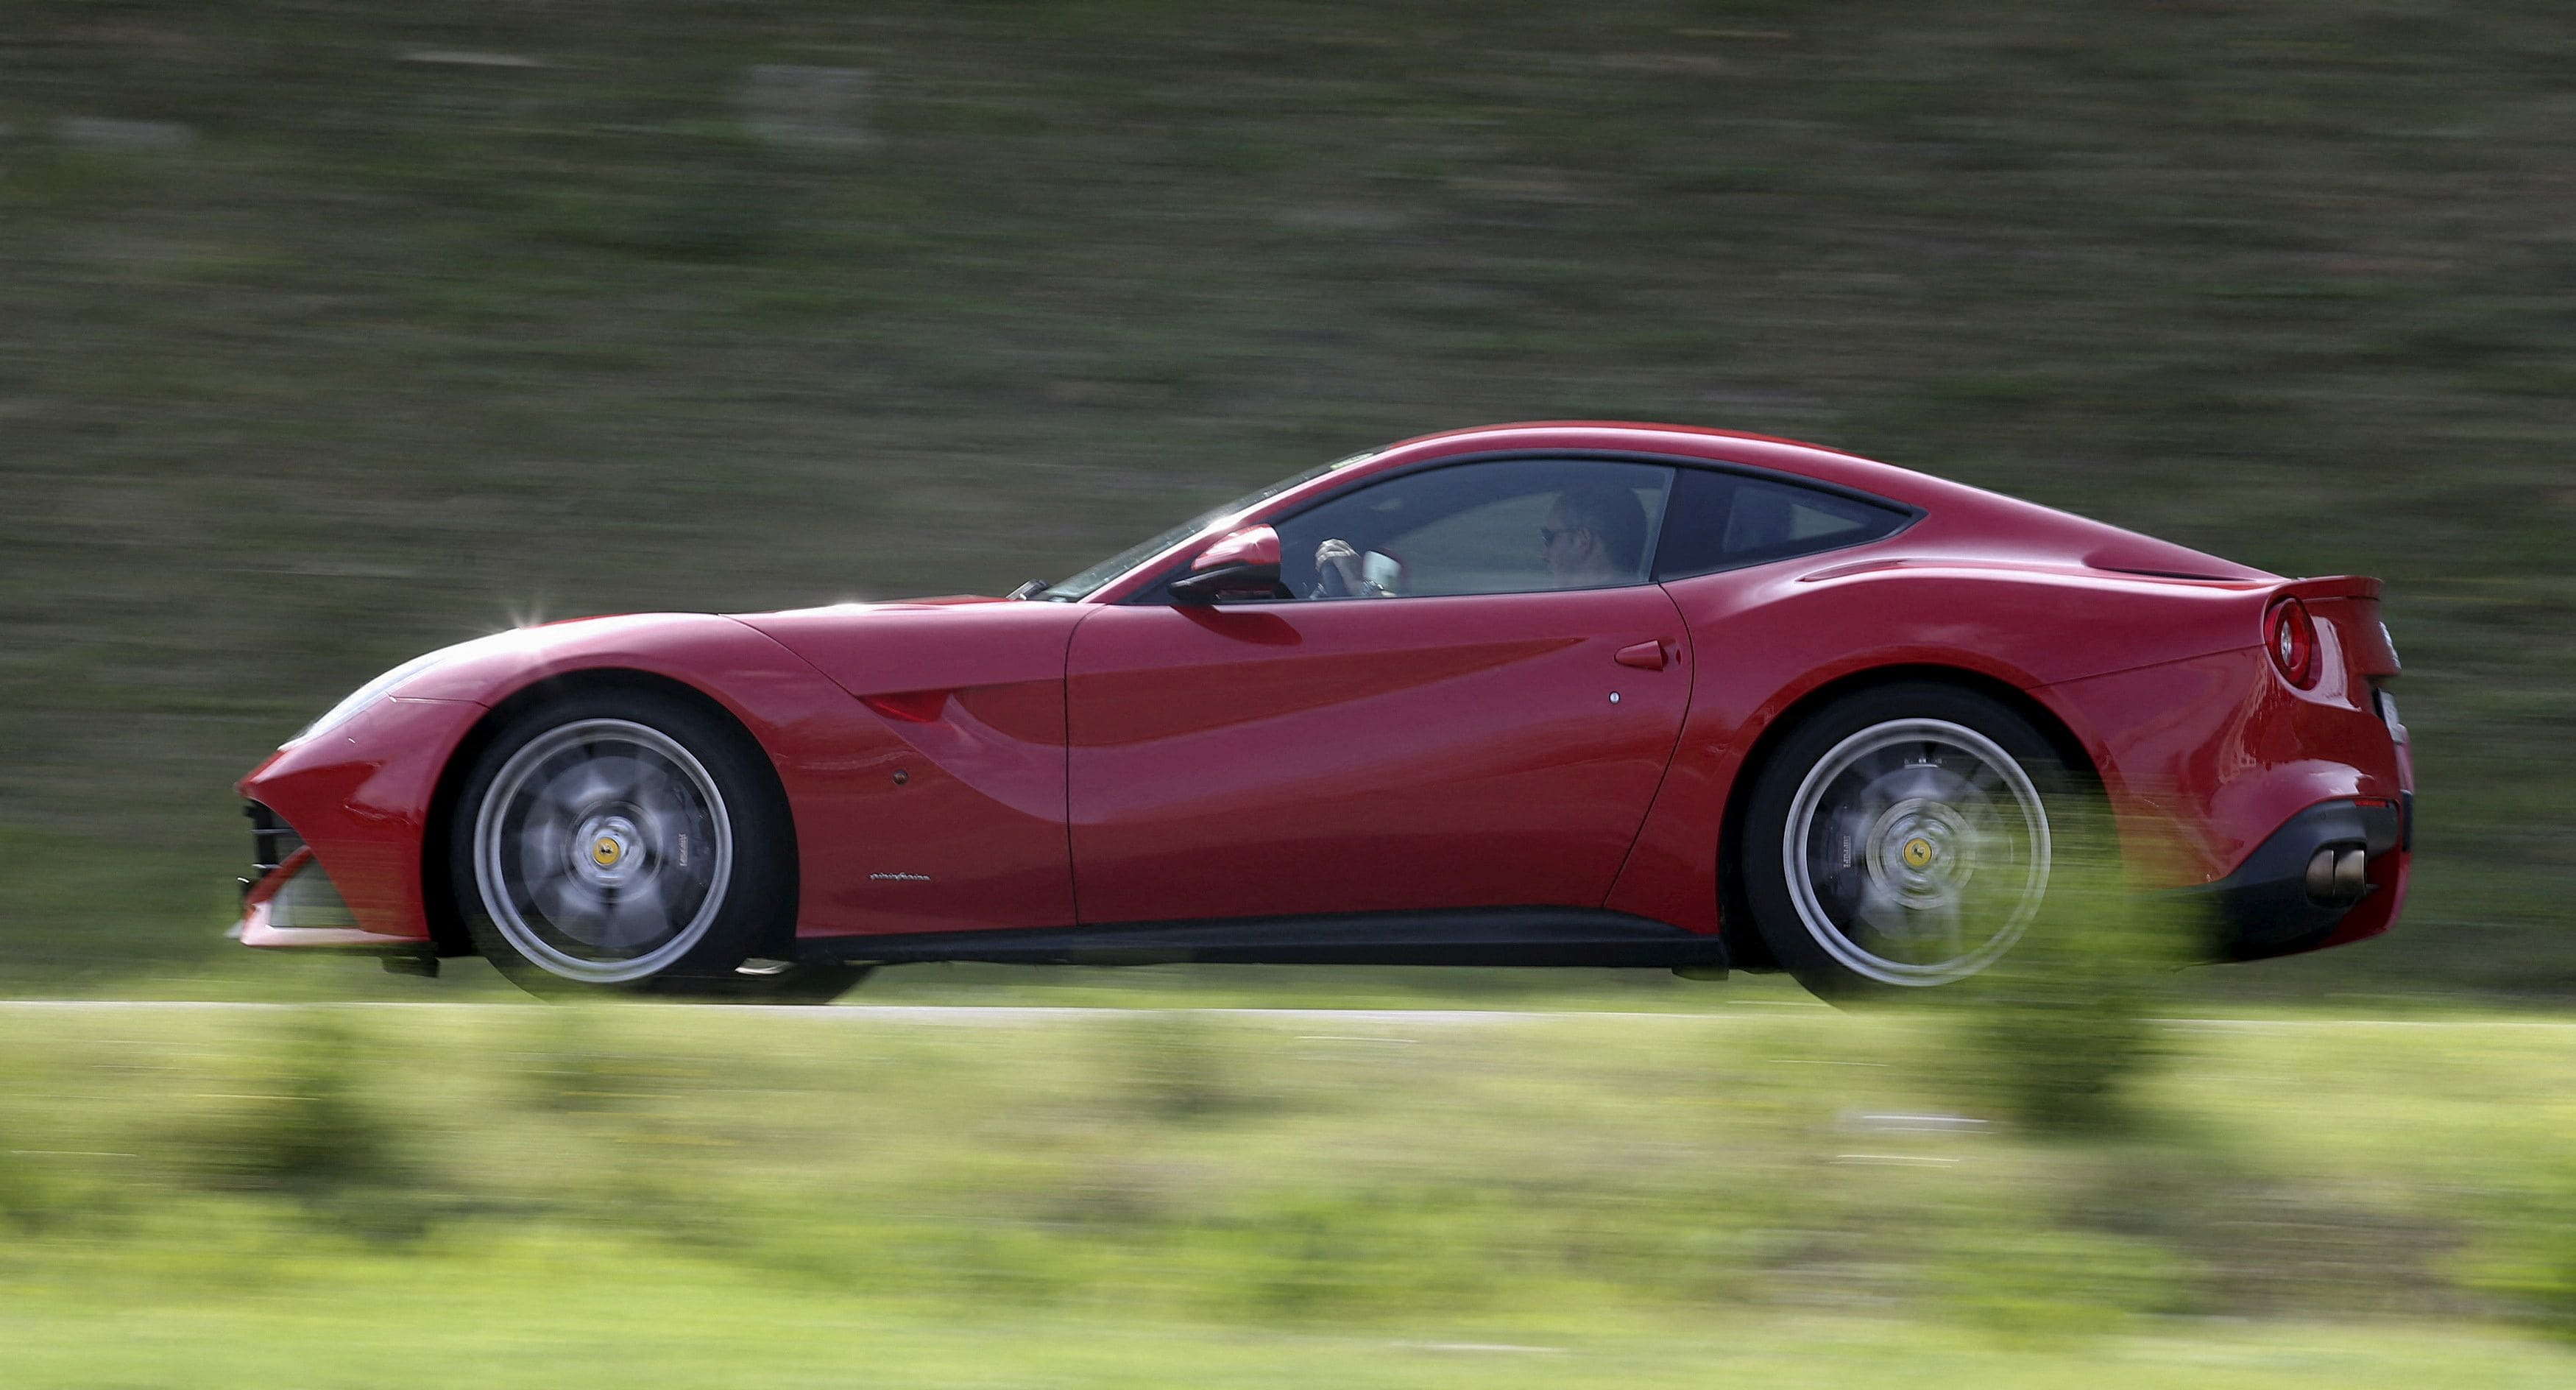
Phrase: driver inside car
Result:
[1341,571]
[1594,536]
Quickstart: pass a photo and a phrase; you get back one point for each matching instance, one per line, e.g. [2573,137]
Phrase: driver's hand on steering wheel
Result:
[1337,570]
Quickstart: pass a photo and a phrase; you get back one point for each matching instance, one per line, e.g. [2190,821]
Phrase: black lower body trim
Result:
[1482,936]
[2265,909]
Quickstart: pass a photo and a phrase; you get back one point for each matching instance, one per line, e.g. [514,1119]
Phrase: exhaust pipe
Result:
[2335,874]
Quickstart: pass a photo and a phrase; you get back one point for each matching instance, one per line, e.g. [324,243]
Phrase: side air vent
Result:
[271,841]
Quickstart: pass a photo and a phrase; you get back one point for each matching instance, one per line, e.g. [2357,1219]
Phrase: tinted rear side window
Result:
[1722,521]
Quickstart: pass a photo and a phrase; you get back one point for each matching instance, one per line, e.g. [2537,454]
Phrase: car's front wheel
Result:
[627,841]
[1903,838]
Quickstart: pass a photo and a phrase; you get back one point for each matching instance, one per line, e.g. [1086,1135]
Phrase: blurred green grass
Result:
[658,1196]
[376,353]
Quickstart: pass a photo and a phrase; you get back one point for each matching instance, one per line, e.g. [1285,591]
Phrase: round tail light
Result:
[2292,637]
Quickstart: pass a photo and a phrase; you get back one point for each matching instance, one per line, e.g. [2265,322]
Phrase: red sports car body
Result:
[1446,702]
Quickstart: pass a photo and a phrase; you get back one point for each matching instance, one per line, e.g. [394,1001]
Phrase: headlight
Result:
[385,684]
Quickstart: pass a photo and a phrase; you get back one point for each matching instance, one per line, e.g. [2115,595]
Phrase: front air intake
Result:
[272,842]
[308,899]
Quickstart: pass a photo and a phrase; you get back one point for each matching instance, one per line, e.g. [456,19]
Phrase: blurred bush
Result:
[2058,1035]
[2527,1256]
[310,1125]
[2055,1285]
[1181,1068]
[25,1198]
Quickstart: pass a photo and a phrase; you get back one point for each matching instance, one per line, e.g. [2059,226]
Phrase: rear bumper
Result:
[2287,897]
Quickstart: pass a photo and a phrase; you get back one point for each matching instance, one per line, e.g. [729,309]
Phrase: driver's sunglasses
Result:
[1547,534]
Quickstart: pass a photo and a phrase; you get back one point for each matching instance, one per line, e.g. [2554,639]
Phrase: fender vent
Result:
[271,841]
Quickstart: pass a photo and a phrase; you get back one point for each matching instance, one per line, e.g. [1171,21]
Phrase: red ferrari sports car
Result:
[1549,694]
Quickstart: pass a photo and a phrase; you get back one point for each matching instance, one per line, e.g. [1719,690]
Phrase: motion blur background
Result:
[337,330]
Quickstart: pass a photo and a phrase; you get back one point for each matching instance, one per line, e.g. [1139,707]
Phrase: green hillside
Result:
[333,332]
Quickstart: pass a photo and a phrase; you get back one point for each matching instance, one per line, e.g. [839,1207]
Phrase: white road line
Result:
[1012,1014]
[920,1013]
[2542,1023]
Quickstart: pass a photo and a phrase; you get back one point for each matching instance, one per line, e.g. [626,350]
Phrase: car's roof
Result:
[1624,428]
[1824,464]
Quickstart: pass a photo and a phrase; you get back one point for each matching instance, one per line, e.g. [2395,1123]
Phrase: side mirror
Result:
[1242,565]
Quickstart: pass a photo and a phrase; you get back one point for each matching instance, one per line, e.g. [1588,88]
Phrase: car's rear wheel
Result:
[1903,838]
[626,841]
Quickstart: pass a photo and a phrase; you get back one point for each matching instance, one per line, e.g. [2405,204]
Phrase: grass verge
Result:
[662,1196]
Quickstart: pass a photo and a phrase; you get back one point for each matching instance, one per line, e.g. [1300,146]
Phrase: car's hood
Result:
[946,643]
[883,605]
[491,666]
[927,644]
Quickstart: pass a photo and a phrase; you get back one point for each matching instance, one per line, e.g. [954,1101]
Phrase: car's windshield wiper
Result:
[1031,589]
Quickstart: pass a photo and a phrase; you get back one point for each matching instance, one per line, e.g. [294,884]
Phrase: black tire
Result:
[1901,838]
[630,842]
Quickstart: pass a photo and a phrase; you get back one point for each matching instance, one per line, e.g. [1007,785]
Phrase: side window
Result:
[1511,527]
[1726,520]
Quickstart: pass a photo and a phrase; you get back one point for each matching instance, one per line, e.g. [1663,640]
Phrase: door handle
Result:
[1645,656]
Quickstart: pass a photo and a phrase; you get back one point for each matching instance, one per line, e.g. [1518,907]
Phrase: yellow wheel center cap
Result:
[605,852]
[1918,852]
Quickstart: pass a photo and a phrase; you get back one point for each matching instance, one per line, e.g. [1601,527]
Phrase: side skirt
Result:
[1481,936]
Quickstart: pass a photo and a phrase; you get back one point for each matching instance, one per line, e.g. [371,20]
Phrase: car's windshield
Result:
[1082,585]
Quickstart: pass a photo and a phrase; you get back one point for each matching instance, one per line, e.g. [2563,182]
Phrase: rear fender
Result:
[2176,661]
[2205,758]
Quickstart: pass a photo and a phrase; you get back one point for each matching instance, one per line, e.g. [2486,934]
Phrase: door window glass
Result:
[1724,520]
[1518,526]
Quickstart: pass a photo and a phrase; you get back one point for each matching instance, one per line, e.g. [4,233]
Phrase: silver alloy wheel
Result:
[1916,852]
[602,851]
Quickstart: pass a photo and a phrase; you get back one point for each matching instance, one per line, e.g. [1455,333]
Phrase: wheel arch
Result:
[1735,910]
[438,898]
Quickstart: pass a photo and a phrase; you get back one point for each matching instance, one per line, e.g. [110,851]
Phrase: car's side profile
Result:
[1542,694]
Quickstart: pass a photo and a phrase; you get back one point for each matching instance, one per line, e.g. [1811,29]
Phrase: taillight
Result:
[2292,636]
